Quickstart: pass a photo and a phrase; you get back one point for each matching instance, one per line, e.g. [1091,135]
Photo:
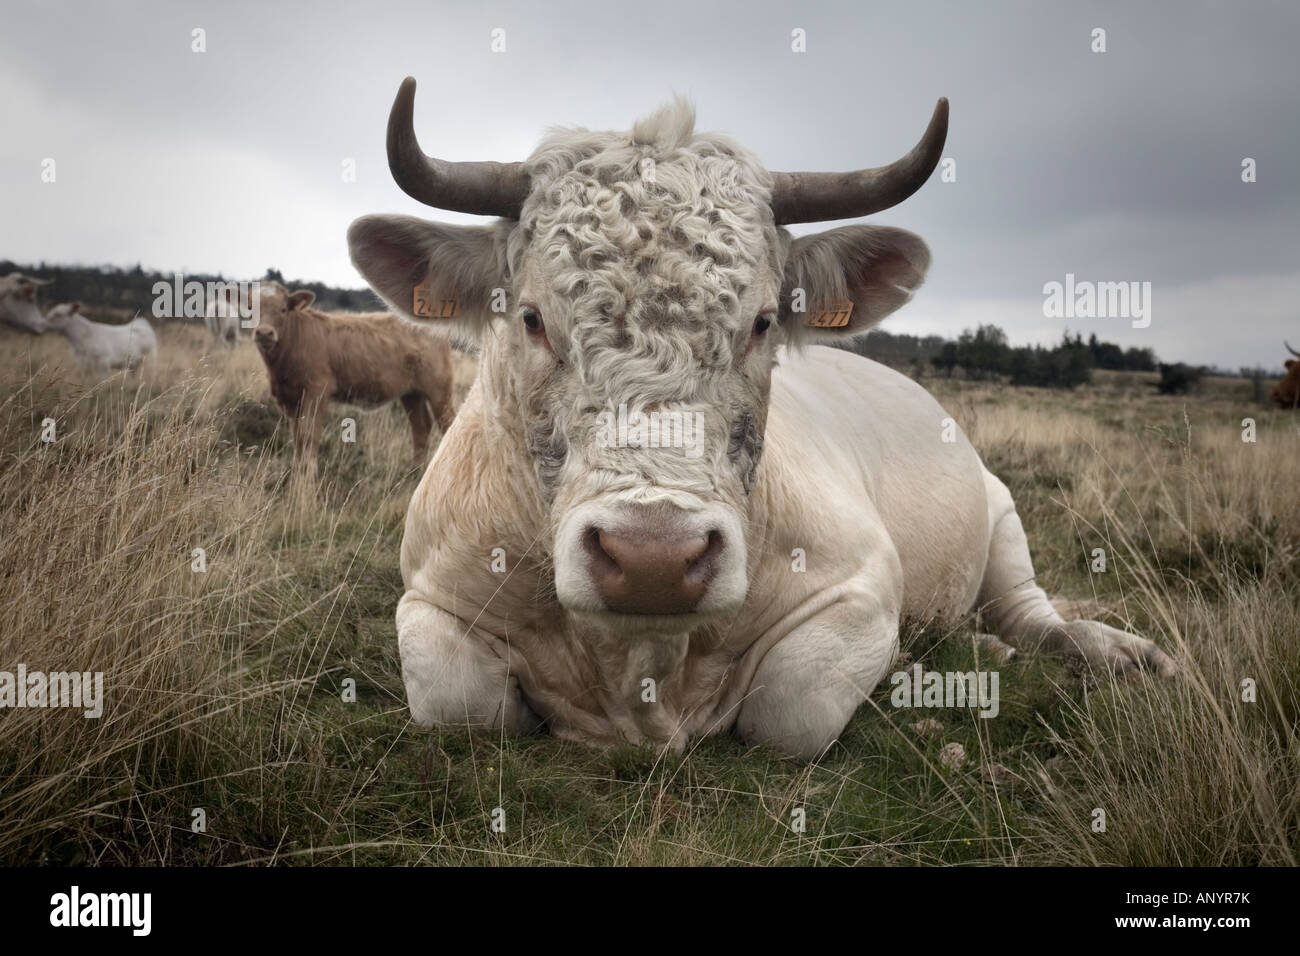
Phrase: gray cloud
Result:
[1116,166]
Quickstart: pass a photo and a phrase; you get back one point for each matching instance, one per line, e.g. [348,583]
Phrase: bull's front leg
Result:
[1025,619]
[810,683]
[452,673]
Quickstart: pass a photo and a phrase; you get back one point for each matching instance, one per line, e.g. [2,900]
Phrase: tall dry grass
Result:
[1201,529]
[98,573]
[225,690]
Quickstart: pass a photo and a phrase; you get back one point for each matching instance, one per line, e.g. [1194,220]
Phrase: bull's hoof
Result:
[1105,648]
[993,645]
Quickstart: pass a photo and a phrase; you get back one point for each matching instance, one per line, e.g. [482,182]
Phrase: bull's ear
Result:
[301,299]
[843,281]
[433,273]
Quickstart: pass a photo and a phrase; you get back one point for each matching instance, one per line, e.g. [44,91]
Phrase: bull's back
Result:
[860,435]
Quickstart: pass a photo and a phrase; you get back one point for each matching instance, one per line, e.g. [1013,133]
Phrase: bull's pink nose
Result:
[651,575]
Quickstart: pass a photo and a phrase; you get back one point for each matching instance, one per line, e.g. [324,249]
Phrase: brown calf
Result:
[1287,392]
[313,358]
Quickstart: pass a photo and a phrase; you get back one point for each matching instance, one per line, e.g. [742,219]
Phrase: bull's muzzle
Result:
[617,560]
[650,573]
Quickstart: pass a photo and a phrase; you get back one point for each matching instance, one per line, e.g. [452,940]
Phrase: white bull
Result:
[101,348]
[752,574]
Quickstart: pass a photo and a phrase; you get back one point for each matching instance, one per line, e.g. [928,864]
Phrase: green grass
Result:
[226,690]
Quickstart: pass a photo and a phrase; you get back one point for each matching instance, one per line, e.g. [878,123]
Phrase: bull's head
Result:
[633,293]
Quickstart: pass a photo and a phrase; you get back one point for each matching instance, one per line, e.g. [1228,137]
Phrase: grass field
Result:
[225,690]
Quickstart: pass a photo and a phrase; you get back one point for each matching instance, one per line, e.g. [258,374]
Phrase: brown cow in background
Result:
[1287,392]
[313,357]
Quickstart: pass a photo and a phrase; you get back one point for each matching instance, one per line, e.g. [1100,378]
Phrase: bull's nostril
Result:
[692,551]
[699,569]
[602,562]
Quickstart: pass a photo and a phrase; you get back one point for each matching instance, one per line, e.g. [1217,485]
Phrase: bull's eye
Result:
[535,329]
[762,324]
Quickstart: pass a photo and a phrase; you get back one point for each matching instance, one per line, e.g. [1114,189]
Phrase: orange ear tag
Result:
[424,306]
[833,318]
[420,304]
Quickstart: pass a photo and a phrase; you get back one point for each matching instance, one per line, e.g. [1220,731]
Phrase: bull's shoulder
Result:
[844,428]
[474,526]
[859,450]
[832,384]
[851,414]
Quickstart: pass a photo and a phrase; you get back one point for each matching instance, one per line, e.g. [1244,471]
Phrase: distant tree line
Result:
[982,355]
[985,355]
[112,287]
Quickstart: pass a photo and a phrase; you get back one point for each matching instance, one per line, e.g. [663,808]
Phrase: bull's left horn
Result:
[816,197]
[1291,350]
[481,188]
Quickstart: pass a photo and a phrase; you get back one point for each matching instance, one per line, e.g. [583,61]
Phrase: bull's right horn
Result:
[481,188]
[1291,350]
[817,197]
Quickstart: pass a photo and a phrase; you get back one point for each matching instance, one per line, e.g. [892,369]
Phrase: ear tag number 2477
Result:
[423,305]
[834,317]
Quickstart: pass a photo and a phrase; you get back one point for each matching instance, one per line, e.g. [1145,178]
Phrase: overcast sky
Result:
[1115,166]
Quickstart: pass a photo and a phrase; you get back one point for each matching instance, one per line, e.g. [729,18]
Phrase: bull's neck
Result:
[503,410]
[494,371]
[626,661]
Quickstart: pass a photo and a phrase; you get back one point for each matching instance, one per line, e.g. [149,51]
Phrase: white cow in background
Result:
[18,306]
[103,348]
[222,317]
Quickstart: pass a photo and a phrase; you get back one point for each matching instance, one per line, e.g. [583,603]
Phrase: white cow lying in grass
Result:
[103,348]
[750,573]
[18,306]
